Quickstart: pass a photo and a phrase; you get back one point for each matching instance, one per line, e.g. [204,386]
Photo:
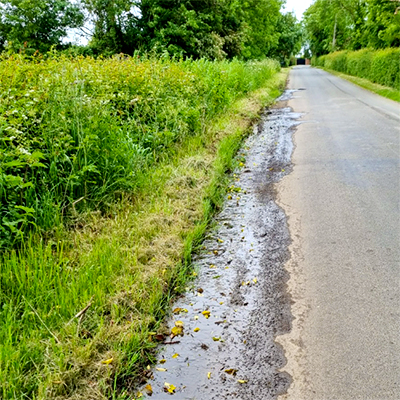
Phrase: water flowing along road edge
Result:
[238,304]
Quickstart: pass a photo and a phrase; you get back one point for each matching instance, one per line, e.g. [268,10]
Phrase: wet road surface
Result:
[239,302]
[342,201]
[303,263]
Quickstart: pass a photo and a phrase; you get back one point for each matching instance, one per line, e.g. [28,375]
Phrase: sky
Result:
[298,6]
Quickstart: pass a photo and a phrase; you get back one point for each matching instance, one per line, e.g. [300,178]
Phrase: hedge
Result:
[379,66]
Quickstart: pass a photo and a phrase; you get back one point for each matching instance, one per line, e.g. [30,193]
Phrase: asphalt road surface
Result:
[342,203]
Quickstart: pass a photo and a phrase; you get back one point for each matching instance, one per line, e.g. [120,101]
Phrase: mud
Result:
[241,282]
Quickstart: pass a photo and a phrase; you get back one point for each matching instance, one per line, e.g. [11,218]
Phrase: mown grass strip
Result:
[385,91]
[122,268]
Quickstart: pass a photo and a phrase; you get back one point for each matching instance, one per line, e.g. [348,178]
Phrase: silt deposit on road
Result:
[227,322]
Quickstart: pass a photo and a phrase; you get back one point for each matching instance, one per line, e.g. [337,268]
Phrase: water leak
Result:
[238,303]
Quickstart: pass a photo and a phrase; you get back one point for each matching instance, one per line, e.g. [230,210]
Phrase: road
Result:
[342,202]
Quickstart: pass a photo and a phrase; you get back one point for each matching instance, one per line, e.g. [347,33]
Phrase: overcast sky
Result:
[298,6]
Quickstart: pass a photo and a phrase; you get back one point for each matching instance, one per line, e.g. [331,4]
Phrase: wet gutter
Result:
[239,303]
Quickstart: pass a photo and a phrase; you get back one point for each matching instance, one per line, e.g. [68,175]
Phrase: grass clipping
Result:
[143,249]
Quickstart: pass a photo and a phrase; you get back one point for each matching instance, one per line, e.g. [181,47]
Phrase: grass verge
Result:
[118,272]
[384,91]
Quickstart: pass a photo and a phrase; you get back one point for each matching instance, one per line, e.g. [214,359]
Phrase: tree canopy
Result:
[37,24]
[352,24]
[214,29]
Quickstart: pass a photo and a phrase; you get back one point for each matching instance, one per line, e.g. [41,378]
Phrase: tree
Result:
[290,38]
[352,24]
[36,24]
[214,29]
[383,24]
[114,25]
[260,19]
[206,28]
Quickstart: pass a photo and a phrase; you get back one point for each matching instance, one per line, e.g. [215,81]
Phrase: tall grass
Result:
[116,137]
[76,133]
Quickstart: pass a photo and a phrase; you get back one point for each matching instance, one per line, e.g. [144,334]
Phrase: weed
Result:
[136,226]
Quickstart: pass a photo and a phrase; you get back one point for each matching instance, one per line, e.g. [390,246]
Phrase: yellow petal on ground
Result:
[177,310]
[109,361]
[149,389]
[196,329]
[161,369]
[176,355]
[216,339]
[242,381]
[255,280]
[179,324]
[163,361]
[177,330]
[206,313]
[212,266]
[209,375]
[220,241]
[231,371]
[169,387]
[139,395]
[221,302]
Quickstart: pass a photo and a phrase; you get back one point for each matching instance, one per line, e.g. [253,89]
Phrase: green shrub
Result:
[75,133]
[379,66]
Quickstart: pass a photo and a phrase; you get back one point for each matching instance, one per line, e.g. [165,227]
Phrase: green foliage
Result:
[333,25]
[260,20]
[195,29]
[36,24]
[213,29]
[290,38]
[96,129]
[383,25]
[379,66]
[76,133]
[181,28]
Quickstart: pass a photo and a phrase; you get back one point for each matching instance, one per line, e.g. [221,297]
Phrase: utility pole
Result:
[334,34]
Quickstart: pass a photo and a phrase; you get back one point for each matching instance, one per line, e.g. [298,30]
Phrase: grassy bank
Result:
[81,295]
[375,70]
[384,91]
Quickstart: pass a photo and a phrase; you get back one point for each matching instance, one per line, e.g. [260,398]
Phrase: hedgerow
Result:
[77,133]
[379,66]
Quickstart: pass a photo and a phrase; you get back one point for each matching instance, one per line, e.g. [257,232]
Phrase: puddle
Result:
[241,285]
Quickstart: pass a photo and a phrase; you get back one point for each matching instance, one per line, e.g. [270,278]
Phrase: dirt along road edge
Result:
[226,323]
